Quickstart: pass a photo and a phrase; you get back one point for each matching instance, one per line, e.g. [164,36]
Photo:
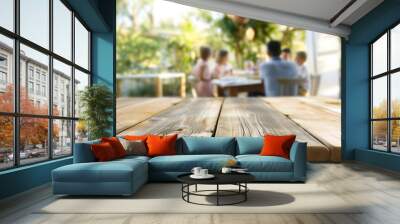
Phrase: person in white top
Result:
[300,59]
[222,68]
[203,75]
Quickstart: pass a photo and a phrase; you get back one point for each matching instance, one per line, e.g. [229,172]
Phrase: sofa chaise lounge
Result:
[125,176]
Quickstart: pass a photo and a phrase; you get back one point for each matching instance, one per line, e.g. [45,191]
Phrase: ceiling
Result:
[326,16]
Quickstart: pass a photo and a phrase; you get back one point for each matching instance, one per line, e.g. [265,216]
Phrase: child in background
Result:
[300,59]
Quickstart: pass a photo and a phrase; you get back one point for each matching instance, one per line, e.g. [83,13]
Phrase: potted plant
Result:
[96,103]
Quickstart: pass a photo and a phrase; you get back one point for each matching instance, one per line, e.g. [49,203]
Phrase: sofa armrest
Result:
[298,155]
[83,152]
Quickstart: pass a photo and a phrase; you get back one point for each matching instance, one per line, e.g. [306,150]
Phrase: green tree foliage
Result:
[97,105]
[247,37]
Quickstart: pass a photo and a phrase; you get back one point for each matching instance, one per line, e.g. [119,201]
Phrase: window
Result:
[385,96]
[47,74]
[6,73]
[62,29]
[81,45]
[7,14]
[30,72]
[6,142]
[35,21]
[61,73]
[3,78]
[30,88]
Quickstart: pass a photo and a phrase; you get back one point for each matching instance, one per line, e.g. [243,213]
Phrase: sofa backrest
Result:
[249,145]
[83,152]
[192,145]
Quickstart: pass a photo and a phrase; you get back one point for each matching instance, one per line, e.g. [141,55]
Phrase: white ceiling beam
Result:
[269,15]
[347,12]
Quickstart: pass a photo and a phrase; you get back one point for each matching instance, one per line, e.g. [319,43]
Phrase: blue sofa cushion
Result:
[83,153]
[257,163]
[185,163]
[249,145]
[112,171]
[206,145]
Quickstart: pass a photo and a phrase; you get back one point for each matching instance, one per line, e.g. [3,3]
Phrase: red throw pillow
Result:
[103,152]
[277,145]
[161,145]
[116,145]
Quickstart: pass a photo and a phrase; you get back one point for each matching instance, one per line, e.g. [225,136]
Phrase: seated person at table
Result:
[274,69]
[222,68]
[202,73]
[302,72]
[286,54]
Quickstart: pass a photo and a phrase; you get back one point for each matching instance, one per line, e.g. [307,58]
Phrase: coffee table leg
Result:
[217,194]
[245,193]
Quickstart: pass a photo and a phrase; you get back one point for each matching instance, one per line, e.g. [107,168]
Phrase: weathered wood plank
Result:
[195,116]
[314,116]
[253,117]
[131,111]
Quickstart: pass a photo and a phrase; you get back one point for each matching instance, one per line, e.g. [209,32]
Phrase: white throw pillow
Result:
[137,147]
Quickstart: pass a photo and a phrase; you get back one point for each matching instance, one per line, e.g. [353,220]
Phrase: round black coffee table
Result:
[238,179]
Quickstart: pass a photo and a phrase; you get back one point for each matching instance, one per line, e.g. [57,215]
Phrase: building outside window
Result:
[60,127]
[3,72]
[385,97]
[30,87]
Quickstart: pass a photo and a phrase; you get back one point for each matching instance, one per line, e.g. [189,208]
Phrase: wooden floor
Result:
[376,190]
[305,117]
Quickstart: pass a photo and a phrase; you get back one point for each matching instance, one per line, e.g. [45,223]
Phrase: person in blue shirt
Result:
[274,69]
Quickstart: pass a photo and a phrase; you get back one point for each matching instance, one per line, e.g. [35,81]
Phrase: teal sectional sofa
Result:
[125,176]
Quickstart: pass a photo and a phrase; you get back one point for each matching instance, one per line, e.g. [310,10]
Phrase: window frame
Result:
[388,74]
[16,114]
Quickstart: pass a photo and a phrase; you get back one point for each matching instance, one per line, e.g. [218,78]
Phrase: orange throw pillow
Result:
[135,137]
[116,145]
[277,145]
[161,145]
[103,152]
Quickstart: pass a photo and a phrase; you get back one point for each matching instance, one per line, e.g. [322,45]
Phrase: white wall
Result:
[324,52]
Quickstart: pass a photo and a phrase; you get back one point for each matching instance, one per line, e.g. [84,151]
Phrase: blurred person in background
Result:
[302,72]
[202,73]
[286,54]
[222,67]
[275,68]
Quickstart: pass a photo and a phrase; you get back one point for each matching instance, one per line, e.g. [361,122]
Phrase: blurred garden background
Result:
[156,37]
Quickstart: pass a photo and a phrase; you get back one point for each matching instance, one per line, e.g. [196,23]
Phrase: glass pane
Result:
[7,14]
[395,47]
[6,142]
[62,89]
[6,74]
[395,94]
[379,135]
[81,82]
[62,138]
[379,55]
[81,131]
[62,29]
[34,92]
[81,45]
[33,139]
[395,138]
[35,21]
[379,98]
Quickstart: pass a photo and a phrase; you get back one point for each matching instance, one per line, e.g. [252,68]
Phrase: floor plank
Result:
[316,117]
[131,111]
[375,190]
[191,117]
[253,117]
